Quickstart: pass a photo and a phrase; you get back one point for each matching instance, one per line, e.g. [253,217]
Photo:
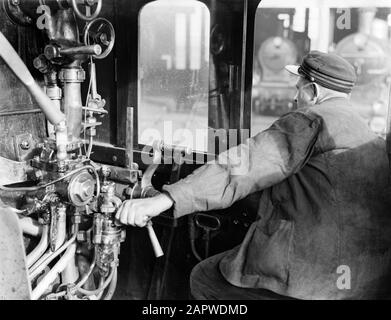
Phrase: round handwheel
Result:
[86,3]
[100,31]
[15,14]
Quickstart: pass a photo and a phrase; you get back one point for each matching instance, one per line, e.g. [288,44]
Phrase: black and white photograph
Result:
[195,155]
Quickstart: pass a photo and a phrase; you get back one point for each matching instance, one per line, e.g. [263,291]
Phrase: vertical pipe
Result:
[40,249]
[72,103]
[129,137]
[73,109]
[70,273]
[61,227]
[243,66]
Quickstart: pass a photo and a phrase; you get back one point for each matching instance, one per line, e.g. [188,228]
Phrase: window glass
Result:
[174,73]
[359,31]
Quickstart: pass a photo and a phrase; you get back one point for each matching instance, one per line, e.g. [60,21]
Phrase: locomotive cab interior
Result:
[103,101]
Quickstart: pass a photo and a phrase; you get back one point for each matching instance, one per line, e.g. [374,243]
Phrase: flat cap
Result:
[326,69]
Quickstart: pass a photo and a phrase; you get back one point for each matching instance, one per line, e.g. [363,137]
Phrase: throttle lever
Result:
[154,240]
[145,190]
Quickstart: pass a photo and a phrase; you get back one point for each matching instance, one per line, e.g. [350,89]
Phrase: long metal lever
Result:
[129,159]
[154,240]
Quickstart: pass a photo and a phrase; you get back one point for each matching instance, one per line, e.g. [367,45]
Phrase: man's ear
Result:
[316,91]
[308,92]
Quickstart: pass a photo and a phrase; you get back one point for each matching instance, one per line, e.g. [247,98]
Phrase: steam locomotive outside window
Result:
[174,73]
[284,33]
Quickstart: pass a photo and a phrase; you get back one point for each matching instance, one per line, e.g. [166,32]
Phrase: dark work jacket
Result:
[324,221]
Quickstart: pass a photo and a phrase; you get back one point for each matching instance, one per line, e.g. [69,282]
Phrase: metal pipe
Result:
[70,274]
[15,113]
[71,79]
[73,110]
[54,92]
[61,228]
[90,143]
[129,136]
[112,287]
[15,63]
[51,111]
[40,249]
[92,69]
[87,275]
[95,49]
[53,273]
[101,287]
[41,264]
[30,226]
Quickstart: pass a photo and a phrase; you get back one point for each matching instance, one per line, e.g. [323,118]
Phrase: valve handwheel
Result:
[88,4]
[100,31]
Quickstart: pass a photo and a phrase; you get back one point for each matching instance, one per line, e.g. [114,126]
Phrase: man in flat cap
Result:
[324,222]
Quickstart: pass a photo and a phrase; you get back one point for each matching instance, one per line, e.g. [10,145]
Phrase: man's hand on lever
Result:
[138,212]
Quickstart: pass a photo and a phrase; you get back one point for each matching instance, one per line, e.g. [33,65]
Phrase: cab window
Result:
[174,73]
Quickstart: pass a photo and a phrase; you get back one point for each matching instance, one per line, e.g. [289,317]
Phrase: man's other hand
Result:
[137,212]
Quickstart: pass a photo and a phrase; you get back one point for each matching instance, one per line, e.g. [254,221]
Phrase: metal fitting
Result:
[54,92]
[72,75]
[81,236]
[51,52]
[25,145]
[76,219]
[81,189]
[40,63]
[105,171]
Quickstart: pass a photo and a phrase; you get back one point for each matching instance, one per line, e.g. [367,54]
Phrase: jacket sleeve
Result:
[264,160]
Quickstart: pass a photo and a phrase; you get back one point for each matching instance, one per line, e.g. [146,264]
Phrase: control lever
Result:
[147,190]
[146,180]
[52,51]
[154,240]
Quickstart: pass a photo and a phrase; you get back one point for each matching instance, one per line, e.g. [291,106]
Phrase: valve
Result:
[88,4]
[100,32]
[53,52]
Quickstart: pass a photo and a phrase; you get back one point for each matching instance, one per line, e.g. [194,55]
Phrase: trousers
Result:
[207,283]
